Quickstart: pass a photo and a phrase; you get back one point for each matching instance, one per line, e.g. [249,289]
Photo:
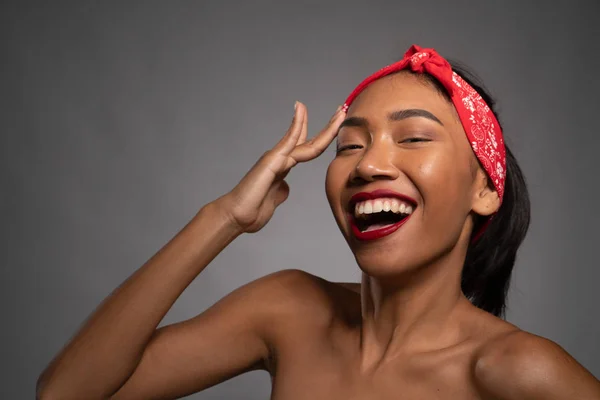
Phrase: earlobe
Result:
[486,200]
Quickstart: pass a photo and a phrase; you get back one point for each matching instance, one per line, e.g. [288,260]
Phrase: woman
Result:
[433,207]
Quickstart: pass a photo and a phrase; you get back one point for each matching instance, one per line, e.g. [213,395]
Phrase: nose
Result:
[375,164]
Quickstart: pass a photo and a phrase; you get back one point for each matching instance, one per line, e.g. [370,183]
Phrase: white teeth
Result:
[377,206]
[383,204]
[387,206]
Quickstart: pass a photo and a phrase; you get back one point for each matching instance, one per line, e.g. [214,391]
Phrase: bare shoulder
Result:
[297,295]
[521,365]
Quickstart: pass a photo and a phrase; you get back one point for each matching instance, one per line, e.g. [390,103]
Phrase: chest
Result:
[323,372]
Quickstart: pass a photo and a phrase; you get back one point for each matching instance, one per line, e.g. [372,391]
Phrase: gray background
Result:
[119,120]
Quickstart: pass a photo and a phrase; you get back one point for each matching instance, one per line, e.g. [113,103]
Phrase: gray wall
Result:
[120,119]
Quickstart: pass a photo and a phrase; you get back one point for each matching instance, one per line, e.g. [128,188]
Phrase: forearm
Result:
[111,342]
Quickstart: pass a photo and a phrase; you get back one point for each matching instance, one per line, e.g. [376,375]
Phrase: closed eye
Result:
[348,147]
[415,140]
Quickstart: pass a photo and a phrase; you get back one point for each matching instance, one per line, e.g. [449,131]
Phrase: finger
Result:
[291,127]
[335,114]
[304,132]
[290,140]
[316,146]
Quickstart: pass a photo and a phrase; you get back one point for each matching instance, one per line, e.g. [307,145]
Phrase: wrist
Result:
[219,210]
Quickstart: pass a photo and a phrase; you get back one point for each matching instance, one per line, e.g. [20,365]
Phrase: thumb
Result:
[282,191]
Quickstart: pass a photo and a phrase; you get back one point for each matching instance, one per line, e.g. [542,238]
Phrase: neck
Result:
[416,313]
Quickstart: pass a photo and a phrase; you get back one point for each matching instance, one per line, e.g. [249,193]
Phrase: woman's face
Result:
[402,135]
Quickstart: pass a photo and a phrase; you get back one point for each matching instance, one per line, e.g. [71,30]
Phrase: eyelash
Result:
[357,146]
[348,147]
[415,140]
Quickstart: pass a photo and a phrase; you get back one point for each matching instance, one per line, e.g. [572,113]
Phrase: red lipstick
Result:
[387,230]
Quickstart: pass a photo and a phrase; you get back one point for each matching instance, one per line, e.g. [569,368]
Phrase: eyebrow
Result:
[393,116]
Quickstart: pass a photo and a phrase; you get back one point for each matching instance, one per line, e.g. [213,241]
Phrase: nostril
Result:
[357,180]
[365,178]
[383,176]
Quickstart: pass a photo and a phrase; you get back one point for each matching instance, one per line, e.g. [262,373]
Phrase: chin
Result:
[401,260]
[385,264]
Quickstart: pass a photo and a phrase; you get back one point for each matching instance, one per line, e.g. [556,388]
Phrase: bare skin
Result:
[405,332]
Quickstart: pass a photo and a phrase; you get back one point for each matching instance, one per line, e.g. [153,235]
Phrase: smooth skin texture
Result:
[405,332]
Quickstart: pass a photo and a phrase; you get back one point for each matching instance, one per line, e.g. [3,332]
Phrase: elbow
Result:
[41,386]
[43,389]
[46,389]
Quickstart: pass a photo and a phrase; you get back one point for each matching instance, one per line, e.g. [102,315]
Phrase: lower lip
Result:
[376,233]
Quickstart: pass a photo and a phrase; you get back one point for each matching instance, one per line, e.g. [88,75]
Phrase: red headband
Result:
[481,126]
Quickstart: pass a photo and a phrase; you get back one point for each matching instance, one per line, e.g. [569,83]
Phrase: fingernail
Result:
[295,105]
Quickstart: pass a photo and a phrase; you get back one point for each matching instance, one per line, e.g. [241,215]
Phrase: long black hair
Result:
[490,260]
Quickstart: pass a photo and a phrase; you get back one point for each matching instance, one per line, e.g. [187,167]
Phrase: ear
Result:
[485,197]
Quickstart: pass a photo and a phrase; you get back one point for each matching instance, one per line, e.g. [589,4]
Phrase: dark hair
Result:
[490,260]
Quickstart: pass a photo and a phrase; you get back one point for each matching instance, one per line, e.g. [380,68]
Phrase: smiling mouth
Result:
[373,217]
[374,214]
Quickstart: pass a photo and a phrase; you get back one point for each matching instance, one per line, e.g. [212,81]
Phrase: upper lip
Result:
[379,193]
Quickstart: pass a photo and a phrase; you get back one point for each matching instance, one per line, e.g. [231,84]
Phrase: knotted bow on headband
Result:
[479,122]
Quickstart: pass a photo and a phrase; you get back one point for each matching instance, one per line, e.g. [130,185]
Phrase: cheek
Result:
[443,181]
[433,169]
[333,185]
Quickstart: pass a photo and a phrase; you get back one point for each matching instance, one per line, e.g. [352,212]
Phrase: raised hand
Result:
[252,202]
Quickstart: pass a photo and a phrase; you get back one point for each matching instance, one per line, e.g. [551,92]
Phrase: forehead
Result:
[401,91]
